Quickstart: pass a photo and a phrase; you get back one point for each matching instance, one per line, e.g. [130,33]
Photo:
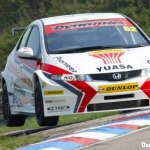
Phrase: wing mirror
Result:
[27,53]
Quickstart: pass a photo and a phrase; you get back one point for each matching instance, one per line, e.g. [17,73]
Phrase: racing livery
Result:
[76,64]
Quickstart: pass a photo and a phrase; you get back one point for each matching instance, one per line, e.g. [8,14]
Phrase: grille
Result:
[109,76]
[118,96]
[117,105]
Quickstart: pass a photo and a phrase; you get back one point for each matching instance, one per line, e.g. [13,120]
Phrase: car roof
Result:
[80,17]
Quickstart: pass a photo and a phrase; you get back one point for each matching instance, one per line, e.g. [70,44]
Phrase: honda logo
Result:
[117,76]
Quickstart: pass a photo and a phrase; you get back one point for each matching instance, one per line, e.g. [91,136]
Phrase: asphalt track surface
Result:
[138,140]
[126,133]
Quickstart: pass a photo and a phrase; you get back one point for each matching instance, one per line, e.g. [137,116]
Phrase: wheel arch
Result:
[35,78]
[4,80]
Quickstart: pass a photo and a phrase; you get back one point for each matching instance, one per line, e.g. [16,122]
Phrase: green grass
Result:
[9,143]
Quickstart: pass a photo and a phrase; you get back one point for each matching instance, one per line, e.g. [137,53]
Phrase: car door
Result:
[27,68]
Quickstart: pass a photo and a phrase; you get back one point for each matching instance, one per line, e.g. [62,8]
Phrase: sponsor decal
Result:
[56,101]
[19,74]
[118,88]
[19,89]
[108,56]
[88,24]
[54,92]
[64,63]
[14,99]
[58,109]
[78,25]
[114,67]
[68,77]
[14,70]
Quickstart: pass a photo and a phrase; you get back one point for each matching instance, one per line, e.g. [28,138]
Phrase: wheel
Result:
[39,109]
[10,120]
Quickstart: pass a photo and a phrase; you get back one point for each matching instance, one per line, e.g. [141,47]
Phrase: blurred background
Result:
[15,13]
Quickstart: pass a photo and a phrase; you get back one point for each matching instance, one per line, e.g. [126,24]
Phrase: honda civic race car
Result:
[80,63]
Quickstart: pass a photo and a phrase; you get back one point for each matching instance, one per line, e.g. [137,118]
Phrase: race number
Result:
[131,29]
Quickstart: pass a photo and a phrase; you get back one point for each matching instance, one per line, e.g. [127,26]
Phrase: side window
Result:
[24,38]
[34,40]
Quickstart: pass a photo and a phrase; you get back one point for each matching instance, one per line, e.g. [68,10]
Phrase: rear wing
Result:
[17,29]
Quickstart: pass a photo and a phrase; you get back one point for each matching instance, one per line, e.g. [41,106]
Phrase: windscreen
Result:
[92,33]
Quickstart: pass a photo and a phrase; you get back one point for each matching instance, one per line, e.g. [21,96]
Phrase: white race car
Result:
[78,63]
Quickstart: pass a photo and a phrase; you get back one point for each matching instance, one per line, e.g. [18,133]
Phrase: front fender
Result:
[4,78]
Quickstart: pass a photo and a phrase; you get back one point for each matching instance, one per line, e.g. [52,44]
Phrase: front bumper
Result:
[62,98]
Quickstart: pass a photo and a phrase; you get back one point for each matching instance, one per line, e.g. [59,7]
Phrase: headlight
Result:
[69,77]
[145,72]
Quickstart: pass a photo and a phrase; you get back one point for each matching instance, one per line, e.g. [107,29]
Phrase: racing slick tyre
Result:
[9,119]
[39,109]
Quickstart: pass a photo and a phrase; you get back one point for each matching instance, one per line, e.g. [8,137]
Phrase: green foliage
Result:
[22,12]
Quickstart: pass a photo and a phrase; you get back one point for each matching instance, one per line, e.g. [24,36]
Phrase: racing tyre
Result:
[39,109]
[10,120]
